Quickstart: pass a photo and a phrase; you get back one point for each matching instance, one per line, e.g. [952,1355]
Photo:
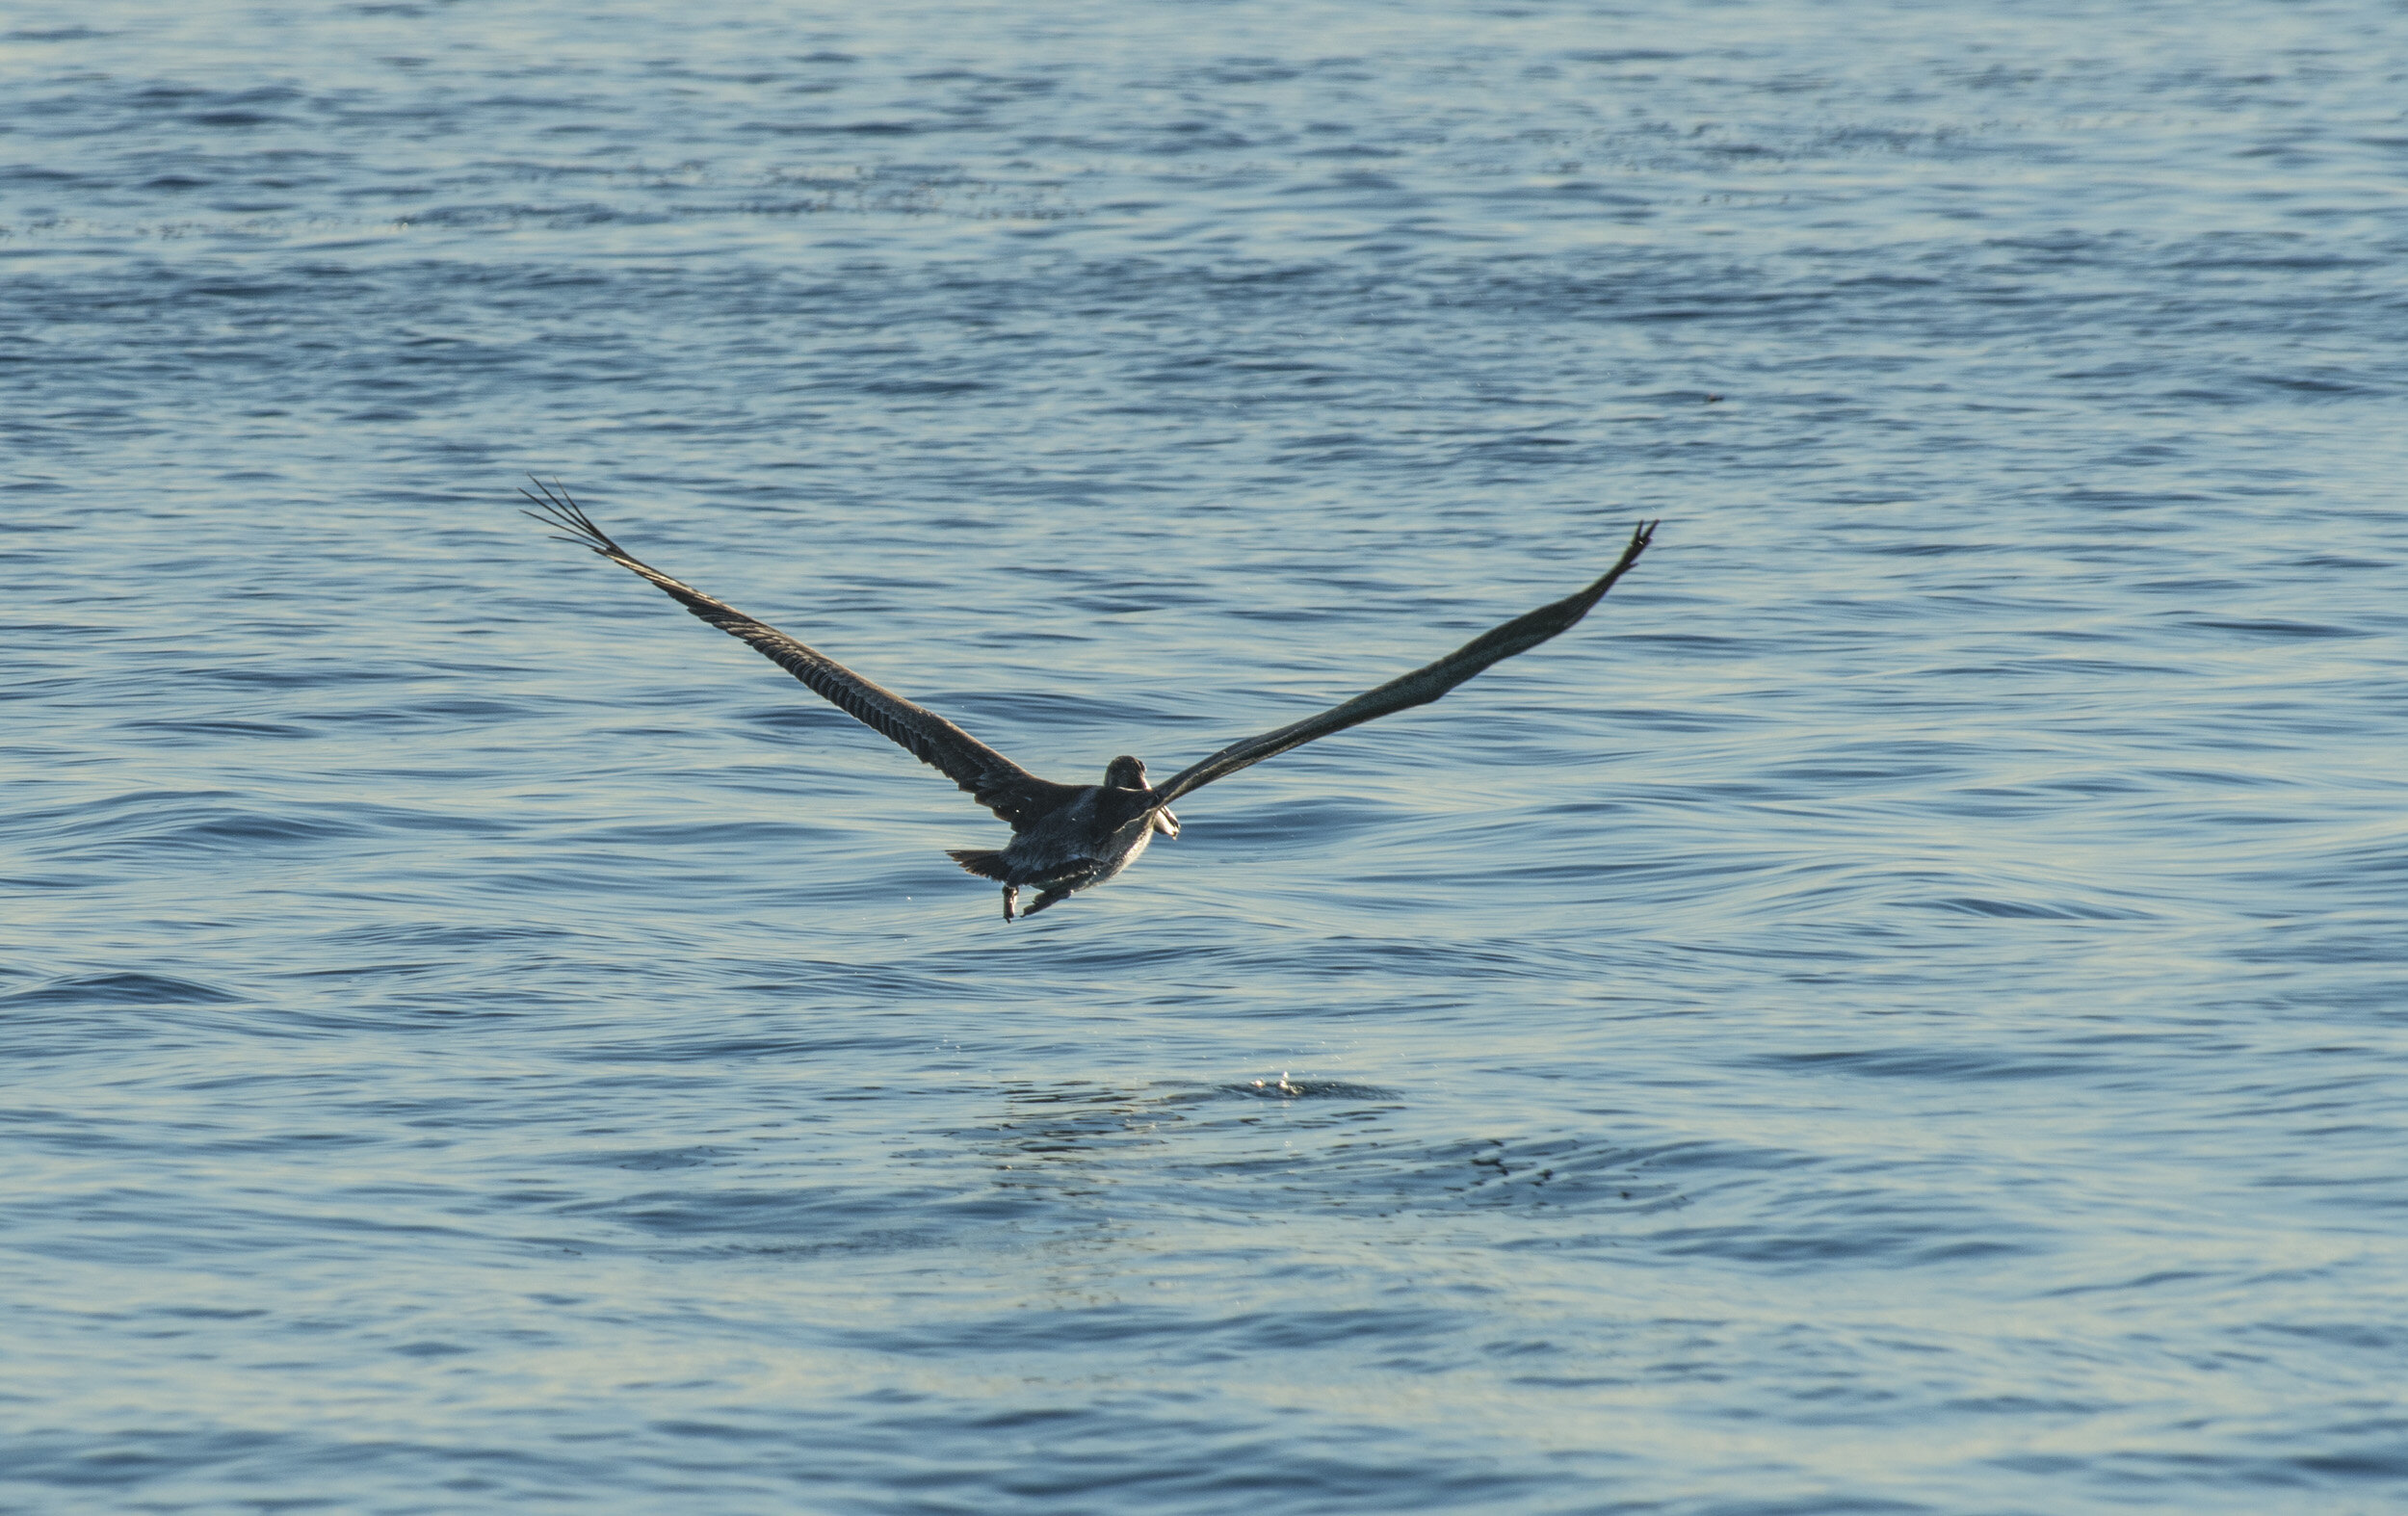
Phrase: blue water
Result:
[1906,1009]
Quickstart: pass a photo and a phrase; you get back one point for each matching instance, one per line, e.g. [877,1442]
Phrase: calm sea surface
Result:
[1904,1010]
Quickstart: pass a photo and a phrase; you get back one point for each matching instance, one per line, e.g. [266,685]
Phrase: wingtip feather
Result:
[556,506]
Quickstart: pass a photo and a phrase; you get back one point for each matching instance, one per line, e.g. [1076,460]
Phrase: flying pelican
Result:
[1071,837]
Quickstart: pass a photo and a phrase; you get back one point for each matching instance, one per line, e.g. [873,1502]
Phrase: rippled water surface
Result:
[1903,1010]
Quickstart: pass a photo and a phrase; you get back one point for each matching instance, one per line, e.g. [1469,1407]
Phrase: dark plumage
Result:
[1072,837]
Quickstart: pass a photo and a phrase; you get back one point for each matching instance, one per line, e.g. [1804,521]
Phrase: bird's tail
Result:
[979,861]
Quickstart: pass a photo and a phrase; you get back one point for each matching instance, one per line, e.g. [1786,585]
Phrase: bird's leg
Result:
[1011,901]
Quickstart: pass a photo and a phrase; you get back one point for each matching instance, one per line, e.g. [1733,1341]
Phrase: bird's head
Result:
[1125,773]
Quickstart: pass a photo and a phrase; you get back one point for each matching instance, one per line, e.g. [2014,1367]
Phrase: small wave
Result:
[254,827]
[1976,905]
[1968,1063]
[218,726]
[2277,627]
[1288,1088]
[127,988]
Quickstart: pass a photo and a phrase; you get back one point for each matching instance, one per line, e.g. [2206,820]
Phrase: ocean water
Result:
[1905,1009]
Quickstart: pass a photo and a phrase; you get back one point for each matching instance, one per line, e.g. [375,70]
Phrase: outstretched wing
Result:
[999,784]
[1418,687]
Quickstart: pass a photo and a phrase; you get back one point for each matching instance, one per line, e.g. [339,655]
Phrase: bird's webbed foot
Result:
[1049,897]
[1011,901]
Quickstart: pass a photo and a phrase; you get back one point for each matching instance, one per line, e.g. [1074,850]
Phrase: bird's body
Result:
[1078,846]
[1067,838]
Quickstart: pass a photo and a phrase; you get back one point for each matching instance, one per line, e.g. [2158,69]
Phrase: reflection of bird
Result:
[1070,837]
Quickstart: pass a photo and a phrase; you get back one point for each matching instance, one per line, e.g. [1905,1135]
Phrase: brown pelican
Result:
[1071,837]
